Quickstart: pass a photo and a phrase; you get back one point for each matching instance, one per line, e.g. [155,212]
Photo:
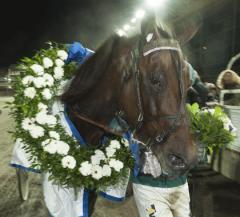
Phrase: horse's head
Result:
[155,79]
[146,78]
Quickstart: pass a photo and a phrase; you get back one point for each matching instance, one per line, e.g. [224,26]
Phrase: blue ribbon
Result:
[74,130]
[134,147]
[78,53]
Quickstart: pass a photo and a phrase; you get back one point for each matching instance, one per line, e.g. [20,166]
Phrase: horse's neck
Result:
[99,113]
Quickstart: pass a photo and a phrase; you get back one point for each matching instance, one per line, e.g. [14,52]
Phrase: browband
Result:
[160,48]
[160,44]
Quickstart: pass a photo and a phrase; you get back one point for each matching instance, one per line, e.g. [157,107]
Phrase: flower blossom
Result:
[110,151]
[36,131]
[47,94]
[117,165]
[62,147]
[49,146]
[42,107]
[106,170]
[30,92]
[62,54]
[58,72]
[47,62]
[86,168]
[48,80]
[37,69]
[97,172]
[54,135]
[59,62]
[27,123]
[27,80]
[39,82]
[115,144]
[68,162]
[43,118]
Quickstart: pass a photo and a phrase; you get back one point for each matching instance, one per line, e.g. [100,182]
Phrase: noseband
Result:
[154,46]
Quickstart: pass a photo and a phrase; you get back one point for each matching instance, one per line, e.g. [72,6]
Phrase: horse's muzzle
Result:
[176,162]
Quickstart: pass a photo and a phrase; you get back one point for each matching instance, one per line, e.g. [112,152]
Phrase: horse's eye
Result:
[157,80]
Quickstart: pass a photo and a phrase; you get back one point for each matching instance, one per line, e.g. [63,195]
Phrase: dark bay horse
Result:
[145,78]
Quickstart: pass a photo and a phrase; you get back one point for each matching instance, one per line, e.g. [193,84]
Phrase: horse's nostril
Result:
[176,161]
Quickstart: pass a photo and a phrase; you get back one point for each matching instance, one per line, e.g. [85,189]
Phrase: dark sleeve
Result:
[201,90]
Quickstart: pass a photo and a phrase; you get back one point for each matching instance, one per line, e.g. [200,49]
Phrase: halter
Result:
[157,45]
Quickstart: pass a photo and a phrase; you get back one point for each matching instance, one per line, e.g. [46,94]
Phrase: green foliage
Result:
[210,126]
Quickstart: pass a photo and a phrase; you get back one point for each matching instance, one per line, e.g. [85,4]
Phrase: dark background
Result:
[27,25]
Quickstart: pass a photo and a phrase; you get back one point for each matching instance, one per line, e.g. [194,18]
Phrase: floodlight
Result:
[140,14]
[155,3]
[126,27]
[133,20]
[120,32]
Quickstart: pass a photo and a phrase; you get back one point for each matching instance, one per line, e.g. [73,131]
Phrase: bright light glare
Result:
[140,14]
[126,27]
[120,32]
[155,3]
[133,20]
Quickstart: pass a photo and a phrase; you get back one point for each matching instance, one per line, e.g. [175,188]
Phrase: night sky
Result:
[26,26]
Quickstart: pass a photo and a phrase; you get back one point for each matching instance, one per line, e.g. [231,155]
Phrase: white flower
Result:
[36,131]
[47,94]
[51,120]
[54,135]
[30,92]
[125,142]
[43,118]
[97,172]
[117,165]
[59,62]
[42,107]
[27,123]
[95,160]
[38,69]
[62,54]
[110,151]
[115,144]
[58,72]
[68,162]
[47,62]
[62,147]
[106,170]
[48,79]
[27,80]
[86,168]
[39,82]
[100,154]
[50,146]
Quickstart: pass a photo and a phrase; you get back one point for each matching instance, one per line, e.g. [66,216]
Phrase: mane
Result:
[90,72]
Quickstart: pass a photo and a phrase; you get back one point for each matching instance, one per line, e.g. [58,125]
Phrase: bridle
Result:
[154,46]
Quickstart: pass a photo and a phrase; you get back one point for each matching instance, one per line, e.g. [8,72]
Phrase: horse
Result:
[143,80]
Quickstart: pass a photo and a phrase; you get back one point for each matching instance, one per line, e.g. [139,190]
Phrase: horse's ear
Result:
[185,30]
[149,28]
